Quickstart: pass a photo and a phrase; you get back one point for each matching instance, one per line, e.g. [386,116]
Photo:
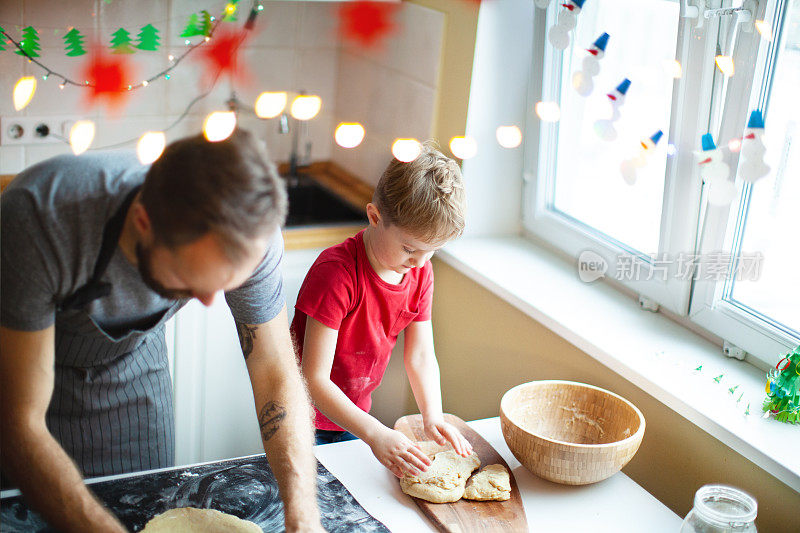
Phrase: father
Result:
[98,252]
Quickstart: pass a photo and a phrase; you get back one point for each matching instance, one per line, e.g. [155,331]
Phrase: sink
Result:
[312,204]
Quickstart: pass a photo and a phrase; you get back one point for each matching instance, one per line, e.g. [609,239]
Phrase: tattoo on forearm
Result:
[247,337]
[270,419]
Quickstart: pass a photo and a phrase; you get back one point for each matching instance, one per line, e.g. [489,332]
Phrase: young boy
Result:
[360,294]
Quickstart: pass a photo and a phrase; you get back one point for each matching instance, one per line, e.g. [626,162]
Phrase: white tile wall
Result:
[390,89]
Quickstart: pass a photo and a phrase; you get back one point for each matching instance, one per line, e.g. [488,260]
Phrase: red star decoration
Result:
[367,22]
[220,55]
[108,76]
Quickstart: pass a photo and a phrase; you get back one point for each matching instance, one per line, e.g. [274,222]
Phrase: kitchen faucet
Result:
[296,162]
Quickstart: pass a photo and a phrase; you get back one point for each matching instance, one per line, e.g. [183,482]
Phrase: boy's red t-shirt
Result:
[343,292]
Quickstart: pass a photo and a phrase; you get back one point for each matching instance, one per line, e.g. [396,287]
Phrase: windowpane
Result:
[588,185]
[772,217]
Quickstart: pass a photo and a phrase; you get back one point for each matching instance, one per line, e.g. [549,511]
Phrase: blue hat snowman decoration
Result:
[604,128]
[582,79]
[567,20]
[629,167]
[719,189]
[752,167]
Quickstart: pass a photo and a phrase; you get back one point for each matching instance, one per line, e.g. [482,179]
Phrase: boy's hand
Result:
[398,453]
[442,433]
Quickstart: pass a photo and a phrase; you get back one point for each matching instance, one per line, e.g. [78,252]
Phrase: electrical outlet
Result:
[18,131]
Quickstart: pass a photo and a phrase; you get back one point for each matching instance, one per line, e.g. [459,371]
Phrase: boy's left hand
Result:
[443,432]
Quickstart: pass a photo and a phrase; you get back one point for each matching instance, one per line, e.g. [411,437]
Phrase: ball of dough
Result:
[444,480]
[491,483]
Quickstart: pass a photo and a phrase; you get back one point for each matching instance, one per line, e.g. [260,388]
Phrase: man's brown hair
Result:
[229,188]
[424,197]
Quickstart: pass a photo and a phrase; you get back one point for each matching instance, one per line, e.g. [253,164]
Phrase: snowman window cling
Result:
[630,167]
[582,79]
[567,19]
[752,167]
[605,127]
[714,172]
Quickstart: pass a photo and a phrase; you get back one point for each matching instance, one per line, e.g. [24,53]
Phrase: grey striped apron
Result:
[111,408]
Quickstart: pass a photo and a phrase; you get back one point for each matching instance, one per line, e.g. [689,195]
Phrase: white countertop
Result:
[615,505]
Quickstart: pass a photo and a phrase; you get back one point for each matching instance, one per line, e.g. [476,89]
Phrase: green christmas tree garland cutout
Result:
[74,43]
[121,42]
[148,38]
[783,389]
[29,43]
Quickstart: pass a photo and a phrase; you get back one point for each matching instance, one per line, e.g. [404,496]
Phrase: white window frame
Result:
[682,183]
[757,335]
[687,226]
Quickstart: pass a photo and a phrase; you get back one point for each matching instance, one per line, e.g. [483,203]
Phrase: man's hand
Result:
[30,455]
[284,417]
[443,432]
[398,453]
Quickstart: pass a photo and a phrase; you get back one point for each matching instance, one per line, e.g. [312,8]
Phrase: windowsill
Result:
[655,353]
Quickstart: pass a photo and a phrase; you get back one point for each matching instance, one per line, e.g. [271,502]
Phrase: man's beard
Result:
[143,258]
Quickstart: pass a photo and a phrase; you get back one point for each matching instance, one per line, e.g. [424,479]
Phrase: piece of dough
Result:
[491,483]
[444,480]
[191,520]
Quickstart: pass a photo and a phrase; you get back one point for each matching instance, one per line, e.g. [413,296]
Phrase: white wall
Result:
[498,96]
[390,89]
[295,46]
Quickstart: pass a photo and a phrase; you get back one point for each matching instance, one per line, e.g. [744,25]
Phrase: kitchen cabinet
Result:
[215,416]
[214,412]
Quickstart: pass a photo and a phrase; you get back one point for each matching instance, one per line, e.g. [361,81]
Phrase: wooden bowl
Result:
[568,432]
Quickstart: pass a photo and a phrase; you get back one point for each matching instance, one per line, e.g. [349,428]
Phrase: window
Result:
[587,185]
[656,234]
[758,310]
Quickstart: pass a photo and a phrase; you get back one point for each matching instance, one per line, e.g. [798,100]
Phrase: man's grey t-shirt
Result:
[53,216]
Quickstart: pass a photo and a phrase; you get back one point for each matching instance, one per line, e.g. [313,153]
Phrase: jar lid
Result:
[725,505]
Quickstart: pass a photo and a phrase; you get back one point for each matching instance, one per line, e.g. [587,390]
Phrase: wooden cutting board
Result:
[466,516]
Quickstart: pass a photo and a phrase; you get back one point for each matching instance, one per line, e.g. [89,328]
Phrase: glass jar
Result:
[721,509]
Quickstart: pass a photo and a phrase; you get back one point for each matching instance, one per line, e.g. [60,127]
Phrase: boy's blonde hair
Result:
[424,197]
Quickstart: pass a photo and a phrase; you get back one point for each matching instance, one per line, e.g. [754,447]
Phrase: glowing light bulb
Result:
[270,104]
[509,136]
[23,92]
[463,147]
[548,111]
[349,134]
[219,125]
[150,146]
[725,65]
[406,150]
[734,145]
[81,136]
[673,68]
[764,29]
[306,107]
